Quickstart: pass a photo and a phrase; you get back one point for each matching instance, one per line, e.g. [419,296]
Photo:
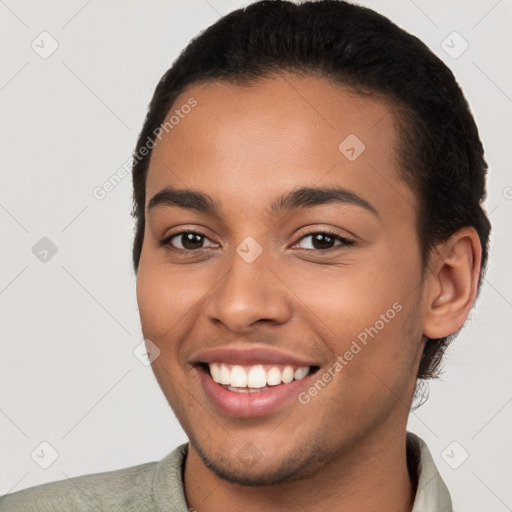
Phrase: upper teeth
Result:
[257,376]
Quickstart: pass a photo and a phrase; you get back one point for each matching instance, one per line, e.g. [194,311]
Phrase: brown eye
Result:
[323,240]
[186,241]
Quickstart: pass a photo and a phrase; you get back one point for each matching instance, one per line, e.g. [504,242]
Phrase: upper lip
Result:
[249,356]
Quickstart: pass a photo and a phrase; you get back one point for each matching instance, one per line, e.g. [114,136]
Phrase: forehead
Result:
[247,144]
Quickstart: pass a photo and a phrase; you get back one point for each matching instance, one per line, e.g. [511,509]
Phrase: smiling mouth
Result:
[255,378]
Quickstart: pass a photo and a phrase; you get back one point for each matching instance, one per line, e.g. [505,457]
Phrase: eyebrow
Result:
[303,197]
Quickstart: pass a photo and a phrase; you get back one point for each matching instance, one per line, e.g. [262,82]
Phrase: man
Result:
[307,189]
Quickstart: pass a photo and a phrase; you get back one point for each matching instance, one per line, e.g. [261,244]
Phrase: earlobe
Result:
[452,283]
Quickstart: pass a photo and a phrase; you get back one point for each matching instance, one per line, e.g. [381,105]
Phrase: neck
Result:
[371,475]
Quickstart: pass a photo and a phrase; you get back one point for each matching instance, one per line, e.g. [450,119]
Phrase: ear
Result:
[452,283]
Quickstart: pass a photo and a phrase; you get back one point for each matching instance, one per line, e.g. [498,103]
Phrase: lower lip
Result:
[249,405]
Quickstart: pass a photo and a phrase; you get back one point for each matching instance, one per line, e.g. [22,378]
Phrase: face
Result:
[259,282]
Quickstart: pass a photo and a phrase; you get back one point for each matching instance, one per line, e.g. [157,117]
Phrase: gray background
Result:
[70,323]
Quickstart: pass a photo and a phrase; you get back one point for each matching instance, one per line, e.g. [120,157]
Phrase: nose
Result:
[249,293]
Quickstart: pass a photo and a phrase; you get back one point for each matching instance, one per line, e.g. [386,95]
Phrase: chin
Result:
[250,467]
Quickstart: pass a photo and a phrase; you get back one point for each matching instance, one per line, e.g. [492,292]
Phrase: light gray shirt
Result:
[158,486]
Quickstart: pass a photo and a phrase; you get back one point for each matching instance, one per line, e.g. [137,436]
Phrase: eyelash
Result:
[346,242]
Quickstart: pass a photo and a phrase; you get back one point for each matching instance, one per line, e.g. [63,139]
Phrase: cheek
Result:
[167,298]
[350,298]
[165,301]
[372,314]
[158,298]
[154,298]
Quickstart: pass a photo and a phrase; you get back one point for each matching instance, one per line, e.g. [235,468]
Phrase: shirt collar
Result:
[431,494]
